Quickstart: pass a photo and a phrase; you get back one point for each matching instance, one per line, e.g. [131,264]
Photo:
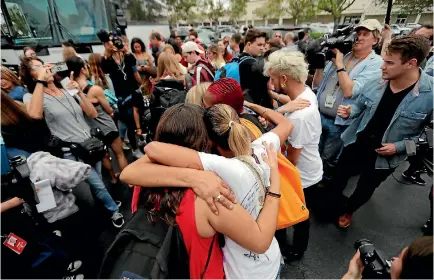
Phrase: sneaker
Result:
[125,146]
[118,203]
[414,178]
[118,220]
[345,220]
[58,233]
[292,256]
[78,276]
[74,266]
[137,153]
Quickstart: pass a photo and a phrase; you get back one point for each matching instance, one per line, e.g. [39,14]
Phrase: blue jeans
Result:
[13,152]
[97,186]
[330,144]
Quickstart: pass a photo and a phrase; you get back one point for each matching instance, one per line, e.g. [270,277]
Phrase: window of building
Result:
[351,20]
[401,19]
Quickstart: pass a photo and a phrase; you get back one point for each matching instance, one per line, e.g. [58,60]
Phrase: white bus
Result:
[45,24]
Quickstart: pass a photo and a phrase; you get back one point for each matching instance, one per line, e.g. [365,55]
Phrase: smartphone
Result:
[65,83]
[58,67]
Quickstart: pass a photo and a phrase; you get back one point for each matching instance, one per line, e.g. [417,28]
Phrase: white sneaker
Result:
[71,277]
[125,146]
[118,220]
[118,203]
[137,153]
[74,266]
[58,233]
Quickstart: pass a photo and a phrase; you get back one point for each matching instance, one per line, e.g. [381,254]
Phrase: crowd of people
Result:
[233,113]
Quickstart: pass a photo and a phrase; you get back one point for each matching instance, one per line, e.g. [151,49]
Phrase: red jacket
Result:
[203,72]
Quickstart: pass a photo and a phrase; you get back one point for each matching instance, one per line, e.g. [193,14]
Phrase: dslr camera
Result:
[422,148]
[319,51]
[113,36]
[17,182]
[377,265]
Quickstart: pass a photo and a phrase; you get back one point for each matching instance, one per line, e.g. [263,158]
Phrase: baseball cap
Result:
[371,25]
[191,47]
[227,91]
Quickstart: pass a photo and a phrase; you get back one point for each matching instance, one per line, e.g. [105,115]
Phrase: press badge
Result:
[330,101]
[15,243]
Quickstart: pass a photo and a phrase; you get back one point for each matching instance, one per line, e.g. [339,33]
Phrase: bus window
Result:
[82,18]
[4,26]
[30,21]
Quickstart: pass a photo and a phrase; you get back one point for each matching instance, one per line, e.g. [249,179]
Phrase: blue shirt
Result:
[17,93]
[363,73]
[414,112]
[429,66]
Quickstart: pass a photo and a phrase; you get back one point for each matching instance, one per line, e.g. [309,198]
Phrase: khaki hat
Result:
[370,24]
[191,47]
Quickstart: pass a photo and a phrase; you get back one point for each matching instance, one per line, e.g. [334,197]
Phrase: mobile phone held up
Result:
[65,83]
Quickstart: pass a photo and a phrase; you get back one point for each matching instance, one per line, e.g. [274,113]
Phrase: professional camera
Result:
[17,182]
[113,36]
[422,148]
[377,266]
[319,51]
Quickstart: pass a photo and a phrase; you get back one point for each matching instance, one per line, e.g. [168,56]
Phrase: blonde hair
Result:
[226,130]
[168,47]
[167,64]
[7,74]
[219,61]
[288,63]
[195,94]
[68,52]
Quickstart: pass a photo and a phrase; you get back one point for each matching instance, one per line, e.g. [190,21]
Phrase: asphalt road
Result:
[391,220]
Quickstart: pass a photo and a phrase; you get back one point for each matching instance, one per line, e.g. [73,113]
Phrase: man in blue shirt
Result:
[340,82]
[385,113]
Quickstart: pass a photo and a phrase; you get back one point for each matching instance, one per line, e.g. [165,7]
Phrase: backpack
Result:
[111,97]
[231,69]
[199,69]
[166,93]
[146,250]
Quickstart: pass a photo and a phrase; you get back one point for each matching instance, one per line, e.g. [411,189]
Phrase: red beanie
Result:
[228,91]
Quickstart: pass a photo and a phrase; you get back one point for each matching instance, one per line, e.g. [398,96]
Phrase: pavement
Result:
[391,220]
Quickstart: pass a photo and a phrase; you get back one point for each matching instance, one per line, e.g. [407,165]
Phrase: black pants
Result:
[301,230]
[358,158]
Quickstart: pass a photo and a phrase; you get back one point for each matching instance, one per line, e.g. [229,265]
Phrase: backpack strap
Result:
[198,72]
[209,256]
[245,58]
[87,88]
[255,170]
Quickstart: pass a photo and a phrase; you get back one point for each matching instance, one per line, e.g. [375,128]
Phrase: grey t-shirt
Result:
[64,118]
[330,90]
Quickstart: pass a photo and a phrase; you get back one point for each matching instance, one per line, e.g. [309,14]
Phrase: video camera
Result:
[377,266]
[17,182]
[422,148]
[113,36]
[319,51]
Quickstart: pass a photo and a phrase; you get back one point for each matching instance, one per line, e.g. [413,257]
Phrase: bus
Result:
[45,24]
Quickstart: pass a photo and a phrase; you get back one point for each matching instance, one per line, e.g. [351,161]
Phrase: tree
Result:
[181,10]
[409,7]
[214,10]
[335,7]
[237,9]
[298,9]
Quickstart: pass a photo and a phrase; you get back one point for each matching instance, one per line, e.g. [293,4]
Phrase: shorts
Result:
[110,137]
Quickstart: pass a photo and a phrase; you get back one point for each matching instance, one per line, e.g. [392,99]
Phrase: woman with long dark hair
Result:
[183,125]
[145,61]
[64,116]
[223,50]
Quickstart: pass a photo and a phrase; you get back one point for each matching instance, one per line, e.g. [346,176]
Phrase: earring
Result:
[283,85]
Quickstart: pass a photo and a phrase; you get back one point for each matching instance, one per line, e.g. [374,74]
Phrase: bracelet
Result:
[341,70]
[44,83]
[272,194]
[265,110]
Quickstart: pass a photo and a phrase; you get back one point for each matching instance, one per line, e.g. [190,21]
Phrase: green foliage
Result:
[316,35]
[149,10]
[298,9]
[214,9]
[408,7]
[181,10]
[237,9]
[335,7]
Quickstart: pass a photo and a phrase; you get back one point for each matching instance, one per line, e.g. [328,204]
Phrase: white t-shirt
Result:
[306,136]
[239,262]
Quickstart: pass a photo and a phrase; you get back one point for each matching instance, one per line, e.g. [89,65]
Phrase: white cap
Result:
[190,47]
[371,25]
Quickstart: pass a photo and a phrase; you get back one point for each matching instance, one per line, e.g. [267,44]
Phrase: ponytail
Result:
[225,129]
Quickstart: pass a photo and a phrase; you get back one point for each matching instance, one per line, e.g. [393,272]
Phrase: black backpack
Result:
[146,250]
[166,94]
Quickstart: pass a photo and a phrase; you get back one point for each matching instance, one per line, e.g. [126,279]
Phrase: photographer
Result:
[122,68]
[385,114]
[340,82]
[414,262]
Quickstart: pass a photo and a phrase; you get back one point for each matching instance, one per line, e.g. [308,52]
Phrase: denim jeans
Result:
[13,152]
[330,144]
[97,186]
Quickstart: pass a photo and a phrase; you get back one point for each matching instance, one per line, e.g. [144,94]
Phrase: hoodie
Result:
[203,72]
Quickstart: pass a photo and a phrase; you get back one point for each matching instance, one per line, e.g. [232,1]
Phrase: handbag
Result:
[292,205]
[89,151]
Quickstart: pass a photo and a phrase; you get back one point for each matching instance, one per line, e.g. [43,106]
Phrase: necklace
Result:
[121,66]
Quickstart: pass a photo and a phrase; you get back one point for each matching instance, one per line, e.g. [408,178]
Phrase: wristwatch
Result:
[341,70]
[44,83]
